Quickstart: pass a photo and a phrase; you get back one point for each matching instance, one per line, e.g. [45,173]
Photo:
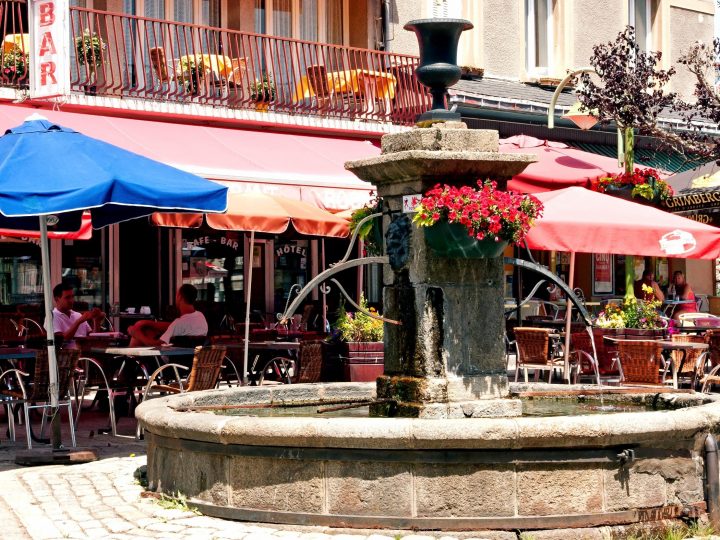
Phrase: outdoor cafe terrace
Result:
[116,55]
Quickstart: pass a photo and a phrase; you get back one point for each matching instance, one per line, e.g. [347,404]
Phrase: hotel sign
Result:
[49,38]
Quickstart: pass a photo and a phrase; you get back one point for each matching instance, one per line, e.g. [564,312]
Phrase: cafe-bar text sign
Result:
[49,36]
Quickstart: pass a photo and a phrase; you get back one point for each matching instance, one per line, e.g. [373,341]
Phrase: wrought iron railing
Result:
[121,55]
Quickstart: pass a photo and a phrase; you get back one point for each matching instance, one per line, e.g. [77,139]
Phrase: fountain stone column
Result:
[447,357]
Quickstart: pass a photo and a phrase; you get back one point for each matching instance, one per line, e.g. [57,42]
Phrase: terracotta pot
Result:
[363,360]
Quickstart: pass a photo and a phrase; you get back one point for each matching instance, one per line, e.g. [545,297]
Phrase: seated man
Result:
[189,323]
[67,323]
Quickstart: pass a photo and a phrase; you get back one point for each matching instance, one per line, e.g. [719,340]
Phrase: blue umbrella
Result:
[55,173]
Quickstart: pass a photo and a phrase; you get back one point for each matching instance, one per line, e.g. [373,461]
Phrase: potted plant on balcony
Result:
[262,92]
[193,71]
[463,222]
[641,185]
[363,350]
[14,66]
[89,48]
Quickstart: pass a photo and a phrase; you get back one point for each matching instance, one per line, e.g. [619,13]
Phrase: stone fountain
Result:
[456,455]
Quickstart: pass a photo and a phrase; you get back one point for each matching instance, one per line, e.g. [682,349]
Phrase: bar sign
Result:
[410,202]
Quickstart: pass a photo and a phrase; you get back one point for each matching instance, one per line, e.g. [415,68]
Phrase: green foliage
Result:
[14,64]
[358,326]
[176,501]
[633,313]
[89,47]
[670,531]
[262,89]
[371,231]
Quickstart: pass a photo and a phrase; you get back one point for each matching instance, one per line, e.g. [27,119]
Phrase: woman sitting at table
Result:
[189,323]
[683,291]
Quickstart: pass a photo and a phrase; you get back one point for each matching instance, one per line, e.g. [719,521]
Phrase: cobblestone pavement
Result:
[103,500]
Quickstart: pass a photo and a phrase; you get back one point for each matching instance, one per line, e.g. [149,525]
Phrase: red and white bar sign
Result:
[410,202]
[49,37]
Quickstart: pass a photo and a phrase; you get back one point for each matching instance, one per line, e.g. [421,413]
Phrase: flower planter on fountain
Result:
[452,240]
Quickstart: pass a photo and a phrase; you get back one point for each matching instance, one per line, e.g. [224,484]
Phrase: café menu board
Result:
[602,273]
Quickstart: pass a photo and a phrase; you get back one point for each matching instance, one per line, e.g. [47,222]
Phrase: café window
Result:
[20,273]
[539,36]
[213,263]
[640,18]
[291,269]
[82,267]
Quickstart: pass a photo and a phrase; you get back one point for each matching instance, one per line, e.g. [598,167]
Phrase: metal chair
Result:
[534,352]
[699,319]
[36,396]
[598,361]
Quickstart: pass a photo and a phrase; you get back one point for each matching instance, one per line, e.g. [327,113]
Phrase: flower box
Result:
[363,361]
[452,240]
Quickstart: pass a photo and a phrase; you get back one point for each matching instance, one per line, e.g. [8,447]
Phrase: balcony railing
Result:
[122,55]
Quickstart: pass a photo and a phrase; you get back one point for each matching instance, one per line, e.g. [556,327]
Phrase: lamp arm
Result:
[559,89]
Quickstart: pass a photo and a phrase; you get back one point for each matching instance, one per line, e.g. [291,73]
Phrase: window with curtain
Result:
[539,26]
[309,20]
[282,18]
[640,17]
[334,18]
[183,11]
[210,13]
[260,26]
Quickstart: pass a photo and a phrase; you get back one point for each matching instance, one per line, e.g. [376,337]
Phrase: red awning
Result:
[557,166]
[297,166]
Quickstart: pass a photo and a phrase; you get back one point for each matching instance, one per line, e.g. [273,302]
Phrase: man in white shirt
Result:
[68,323]
[189,323]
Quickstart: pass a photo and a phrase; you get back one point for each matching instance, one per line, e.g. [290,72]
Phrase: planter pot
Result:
[363,360]
[452,240]
[644,333]
[625,192]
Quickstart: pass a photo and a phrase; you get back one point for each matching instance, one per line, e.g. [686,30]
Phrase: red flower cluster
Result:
[646,183]
[485,212]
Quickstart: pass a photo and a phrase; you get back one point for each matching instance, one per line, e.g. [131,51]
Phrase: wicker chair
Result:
[165,76]
[601,363]
[642,361]
[204,373]
[36,397]
[534,352]
[691,364]
[317,78]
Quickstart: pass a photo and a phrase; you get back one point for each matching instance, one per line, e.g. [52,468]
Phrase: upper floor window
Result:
[640,17]
[311,20]
[445,8]
[539,26]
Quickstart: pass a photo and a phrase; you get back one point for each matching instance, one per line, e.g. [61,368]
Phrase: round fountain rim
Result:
[160,417]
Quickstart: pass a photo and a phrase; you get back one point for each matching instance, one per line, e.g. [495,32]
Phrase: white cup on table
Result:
[131,310]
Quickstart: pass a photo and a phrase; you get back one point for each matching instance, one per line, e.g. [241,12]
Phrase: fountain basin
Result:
[457,474]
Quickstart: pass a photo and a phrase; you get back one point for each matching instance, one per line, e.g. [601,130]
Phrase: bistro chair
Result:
[534,351]
[601,363]
[35,393]
[165,76]
[317,78]
[126,376]
[204,375]
[699,319]
[690,363]
[712,338]
[642,361]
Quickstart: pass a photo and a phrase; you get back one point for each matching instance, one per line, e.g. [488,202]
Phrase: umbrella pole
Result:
[247,308]
[568,316]
[50,331]
[324,296]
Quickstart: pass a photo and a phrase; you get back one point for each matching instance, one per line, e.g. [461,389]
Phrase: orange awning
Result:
[262,213]
[83,233]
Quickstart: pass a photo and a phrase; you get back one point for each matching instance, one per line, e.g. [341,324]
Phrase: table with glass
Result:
[669,306]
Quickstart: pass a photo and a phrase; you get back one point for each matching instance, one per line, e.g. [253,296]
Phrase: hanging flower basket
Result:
[452,240]
[463,222]
[642,186]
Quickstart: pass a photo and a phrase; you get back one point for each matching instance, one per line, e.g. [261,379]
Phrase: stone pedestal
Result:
[447,358]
